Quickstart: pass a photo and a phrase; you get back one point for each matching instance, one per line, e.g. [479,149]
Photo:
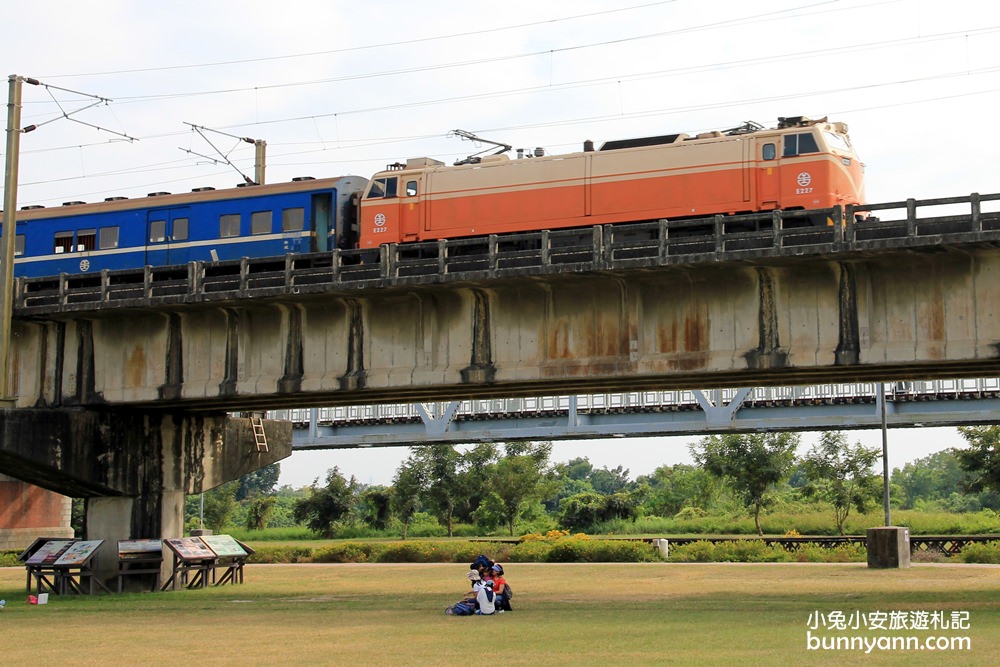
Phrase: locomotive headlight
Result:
[846,161]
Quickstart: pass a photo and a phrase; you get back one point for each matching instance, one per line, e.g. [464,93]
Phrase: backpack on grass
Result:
[463,608]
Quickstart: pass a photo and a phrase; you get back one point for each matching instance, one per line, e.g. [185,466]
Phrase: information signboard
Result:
[224,546]
[138,548]
[49,552]
[78,553]
[190,548]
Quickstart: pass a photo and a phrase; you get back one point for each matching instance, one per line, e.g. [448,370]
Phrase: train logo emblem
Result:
[379,219]
[84,265]
[804,179]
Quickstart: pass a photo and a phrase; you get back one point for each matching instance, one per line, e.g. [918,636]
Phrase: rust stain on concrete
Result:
[558,340]
[695,333]
[135,367]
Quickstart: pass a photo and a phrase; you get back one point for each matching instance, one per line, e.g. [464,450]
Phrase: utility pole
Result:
[259,159]
[9,232]
[885,458]
[7,242]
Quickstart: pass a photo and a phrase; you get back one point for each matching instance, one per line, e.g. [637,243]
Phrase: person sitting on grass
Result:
[500,588]
[468,604]
[482,565]
[486,599]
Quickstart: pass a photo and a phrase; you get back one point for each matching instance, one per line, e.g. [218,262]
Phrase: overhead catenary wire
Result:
[362,142]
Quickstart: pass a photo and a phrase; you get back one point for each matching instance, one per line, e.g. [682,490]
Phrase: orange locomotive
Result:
[800,164]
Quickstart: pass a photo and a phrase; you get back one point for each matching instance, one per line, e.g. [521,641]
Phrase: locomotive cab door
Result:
[768,171]
[380,212]
[411,210]
[167,236]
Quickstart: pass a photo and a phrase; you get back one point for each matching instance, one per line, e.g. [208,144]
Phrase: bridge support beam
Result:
[133,467]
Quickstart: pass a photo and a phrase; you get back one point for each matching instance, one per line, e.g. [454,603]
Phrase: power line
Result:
[368,46]
[495,59]
[747,62]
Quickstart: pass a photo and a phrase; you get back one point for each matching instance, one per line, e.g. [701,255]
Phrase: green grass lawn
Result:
[565,614]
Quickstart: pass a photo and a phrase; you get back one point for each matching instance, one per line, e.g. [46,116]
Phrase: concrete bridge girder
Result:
[888,316]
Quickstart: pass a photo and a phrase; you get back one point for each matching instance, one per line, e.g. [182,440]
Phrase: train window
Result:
[769,153]
[382,187]
[180,229]
[229,225]
[800,144]
[63,242]
[157,231]
[86,240]
[293,219]
[260,222]
[18,245]
[109,238]
[411,188]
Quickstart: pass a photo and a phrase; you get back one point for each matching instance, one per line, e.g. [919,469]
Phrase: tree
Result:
[259,512]
[751,464]
[610,481]
[929,479]
[672,488]
[444,485]
[260,482]
[518,479]
[841,475]
[407,486]
[578,469]
[982,457]
[328,504]
[585,510]
[376,502]
[220,503]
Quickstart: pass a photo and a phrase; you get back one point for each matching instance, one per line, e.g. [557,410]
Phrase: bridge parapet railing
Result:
[953,220]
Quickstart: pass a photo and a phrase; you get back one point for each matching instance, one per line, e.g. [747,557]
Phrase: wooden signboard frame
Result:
[40,564]
[33,548]
[140,558]
[191,557]
[73,568]
[232,556]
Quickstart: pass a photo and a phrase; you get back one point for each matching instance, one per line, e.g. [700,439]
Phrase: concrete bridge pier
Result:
[133,467]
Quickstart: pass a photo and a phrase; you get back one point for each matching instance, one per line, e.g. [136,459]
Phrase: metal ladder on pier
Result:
[260,438]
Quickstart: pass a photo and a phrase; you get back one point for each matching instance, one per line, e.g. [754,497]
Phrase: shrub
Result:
[695,552]
[980,553]
[9,559]
[348,552]
[281,554]
[736,551]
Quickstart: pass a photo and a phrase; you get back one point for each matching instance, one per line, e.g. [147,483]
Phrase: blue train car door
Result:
[168,236]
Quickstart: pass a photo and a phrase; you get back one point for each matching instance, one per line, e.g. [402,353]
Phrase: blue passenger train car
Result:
[305,215]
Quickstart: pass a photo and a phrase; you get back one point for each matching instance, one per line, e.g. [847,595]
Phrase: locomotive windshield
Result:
[800,144]
[382,187]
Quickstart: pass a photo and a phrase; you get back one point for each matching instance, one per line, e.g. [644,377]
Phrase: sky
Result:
[346,88]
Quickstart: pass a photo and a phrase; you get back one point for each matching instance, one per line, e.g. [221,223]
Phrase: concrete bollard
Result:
[888,546]
[663,545]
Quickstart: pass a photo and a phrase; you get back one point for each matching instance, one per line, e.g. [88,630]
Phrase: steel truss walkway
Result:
[645,414]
